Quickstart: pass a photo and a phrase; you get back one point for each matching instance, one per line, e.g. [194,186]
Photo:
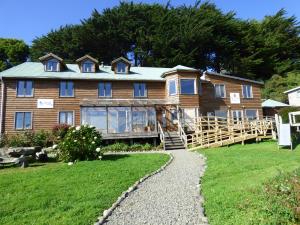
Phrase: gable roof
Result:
[291,90]
[270,103]
[50,55]
[121,59]
[232,77]
[179,68]
[35,70]
[87,57]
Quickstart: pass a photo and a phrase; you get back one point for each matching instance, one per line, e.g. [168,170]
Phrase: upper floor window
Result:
[66,117]
[23,120]
[52,65]
[220,91]
[66,89]
[24,88]
[247,91]
[121,67]
[87,66]
[172,87]
[187,86]
[140,90]
[104,89]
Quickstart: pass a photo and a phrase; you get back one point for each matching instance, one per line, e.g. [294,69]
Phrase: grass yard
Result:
[56,193]
[233,184]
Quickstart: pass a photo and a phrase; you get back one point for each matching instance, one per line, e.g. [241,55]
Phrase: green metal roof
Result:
[35,70]
[269,103]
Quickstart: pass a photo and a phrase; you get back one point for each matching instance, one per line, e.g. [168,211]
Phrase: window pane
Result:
[69,118]
[95,116]
[19,120]
[27,122]
[220,90]
[107,89]
[20,88]
[172,87]
[121,67]
[251,114]
[119,119]
[143,90]
[101,90]
[62,88]
[28,88]
[70,89]
[221,113]
[62,117]
[136,90]
[187,86]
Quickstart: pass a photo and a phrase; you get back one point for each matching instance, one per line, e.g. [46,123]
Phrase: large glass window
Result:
[172,87]
[221,113]
[87,66]
[95,116]
[104,89]
[66,117]
[121,67]
[140,90]
[24,88]
[66,89]
[220,91]
[187,86]
[247,91]
[251,114]
[52,65]
[23,120]
[119,119]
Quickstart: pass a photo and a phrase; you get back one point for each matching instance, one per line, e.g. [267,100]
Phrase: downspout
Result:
[2,106]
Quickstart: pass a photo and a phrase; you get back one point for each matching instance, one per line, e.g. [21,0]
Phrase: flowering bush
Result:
[60,130]
[80,143]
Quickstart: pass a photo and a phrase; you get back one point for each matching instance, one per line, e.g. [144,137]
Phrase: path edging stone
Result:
[106,213]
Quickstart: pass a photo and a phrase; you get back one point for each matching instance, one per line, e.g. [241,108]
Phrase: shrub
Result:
[80,143]
[42,138]
[23,139]
[60,130]
[136,147]
[147,147]
[122,147]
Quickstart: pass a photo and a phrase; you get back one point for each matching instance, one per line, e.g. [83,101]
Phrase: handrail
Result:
[161,134]
[182,135]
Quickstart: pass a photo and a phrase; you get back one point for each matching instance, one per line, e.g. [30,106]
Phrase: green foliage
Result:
[22,139]
[57,194]
[282,197]
[59,131]
[200,36]
[80,143]
[42,138]
[275,86]
[233,183]
[122,147]
[284,113]
[12,52]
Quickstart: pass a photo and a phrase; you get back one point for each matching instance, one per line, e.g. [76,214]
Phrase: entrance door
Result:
[188,116]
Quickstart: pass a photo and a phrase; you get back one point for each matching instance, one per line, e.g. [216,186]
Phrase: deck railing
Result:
[182,135]
[161,134]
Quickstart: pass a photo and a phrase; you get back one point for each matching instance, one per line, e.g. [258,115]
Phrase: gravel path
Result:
[169,197]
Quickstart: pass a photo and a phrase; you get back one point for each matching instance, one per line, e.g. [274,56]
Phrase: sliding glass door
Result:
[119,119]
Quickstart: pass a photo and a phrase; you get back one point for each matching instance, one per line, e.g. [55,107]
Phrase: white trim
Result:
[251,91]
[195,86]
[176,86]
[66,111]
[25,96]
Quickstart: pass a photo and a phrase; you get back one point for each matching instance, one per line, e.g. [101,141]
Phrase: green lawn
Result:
[56,193]
[233,182]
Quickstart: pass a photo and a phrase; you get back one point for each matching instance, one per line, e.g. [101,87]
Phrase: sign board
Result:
[45,103]
[235,98]
[284,138]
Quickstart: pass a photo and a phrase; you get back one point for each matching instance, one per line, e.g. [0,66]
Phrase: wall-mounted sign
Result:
[235,98]
[45,103]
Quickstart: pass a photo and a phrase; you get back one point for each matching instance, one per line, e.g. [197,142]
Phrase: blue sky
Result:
[27,19]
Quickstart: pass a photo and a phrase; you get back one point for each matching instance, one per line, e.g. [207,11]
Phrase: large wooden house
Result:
[122,101]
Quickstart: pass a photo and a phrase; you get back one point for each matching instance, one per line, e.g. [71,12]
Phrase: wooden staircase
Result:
[173,141]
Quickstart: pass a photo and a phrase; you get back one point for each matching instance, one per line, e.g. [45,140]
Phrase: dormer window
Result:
[87,66]
[52,65]
[120,65]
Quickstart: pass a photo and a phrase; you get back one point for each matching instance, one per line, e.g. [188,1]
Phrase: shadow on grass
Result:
[114,157]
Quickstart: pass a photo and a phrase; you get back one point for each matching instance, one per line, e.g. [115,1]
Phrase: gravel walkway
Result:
[169,197]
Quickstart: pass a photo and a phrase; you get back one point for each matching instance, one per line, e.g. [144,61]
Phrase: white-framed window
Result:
[121,67]
[95,116]
[52,65]
[251,114]
[220,91]
[172,87]
[247,91]
[104,89]
[24,88]
[237,115]
[221,113]
[139,90]
[23,120]
[66,89]
[187,86]
[87,66]
[66,117]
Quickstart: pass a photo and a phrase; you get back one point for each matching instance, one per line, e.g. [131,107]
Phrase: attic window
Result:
[121,67]
[87,66]
[52,65]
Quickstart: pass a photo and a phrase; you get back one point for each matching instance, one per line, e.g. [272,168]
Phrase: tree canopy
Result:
[12,52]
[201,36]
